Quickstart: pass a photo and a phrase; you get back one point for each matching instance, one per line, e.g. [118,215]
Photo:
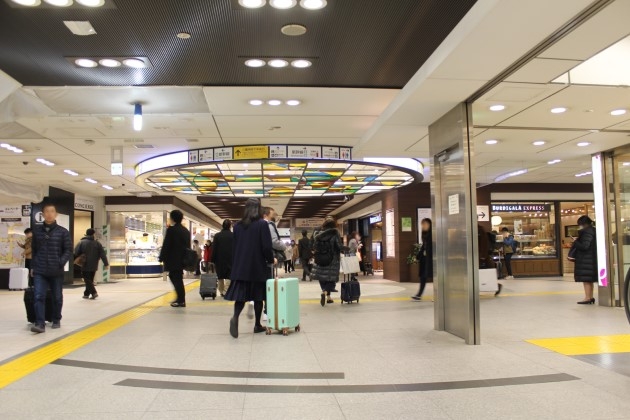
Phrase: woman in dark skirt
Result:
[586,259]
[251,258]
[328,275]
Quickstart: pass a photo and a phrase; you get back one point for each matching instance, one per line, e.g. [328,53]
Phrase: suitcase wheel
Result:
[285,331]
[297,328]
[268,332]
[203,297]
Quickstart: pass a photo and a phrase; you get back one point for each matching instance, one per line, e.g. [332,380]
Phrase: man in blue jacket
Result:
[52,249]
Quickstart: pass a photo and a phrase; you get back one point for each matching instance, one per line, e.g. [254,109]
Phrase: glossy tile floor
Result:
[380,359]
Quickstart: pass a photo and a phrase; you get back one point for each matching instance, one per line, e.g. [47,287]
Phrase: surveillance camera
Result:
[24,163]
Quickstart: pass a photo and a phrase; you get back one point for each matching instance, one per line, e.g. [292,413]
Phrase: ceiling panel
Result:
[384,42]
[542,70]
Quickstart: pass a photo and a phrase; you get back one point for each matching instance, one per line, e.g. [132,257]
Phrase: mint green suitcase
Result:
[283,305]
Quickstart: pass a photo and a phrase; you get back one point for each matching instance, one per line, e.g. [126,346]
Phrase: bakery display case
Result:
[143,262]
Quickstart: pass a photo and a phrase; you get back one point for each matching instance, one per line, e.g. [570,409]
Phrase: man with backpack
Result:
[327,259]
[306,253]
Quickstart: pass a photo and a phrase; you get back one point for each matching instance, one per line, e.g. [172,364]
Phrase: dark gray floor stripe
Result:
[347,389]
[204,373]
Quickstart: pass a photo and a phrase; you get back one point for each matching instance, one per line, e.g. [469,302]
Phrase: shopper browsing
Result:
[52,249]
[305,251]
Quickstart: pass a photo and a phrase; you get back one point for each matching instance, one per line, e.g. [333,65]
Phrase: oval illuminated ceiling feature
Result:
[258,171]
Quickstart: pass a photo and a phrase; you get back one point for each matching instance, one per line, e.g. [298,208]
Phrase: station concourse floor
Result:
[128,355]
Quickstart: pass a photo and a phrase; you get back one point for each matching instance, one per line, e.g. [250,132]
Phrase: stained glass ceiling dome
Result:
[246,176]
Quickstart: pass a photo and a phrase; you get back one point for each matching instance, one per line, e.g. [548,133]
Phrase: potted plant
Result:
[412,257]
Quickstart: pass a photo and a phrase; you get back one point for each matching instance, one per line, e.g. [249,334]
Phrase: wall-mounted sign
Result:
[116,169]
[26,210]
[84,203]
[308,223]
[453,204]
[376,218]
[10,211]
[406,224]
[193,156]
[517,207]
[483,213]
[251,152]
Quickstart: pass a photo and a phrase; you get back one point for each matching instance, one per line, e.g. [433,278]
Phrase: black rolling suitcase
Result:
[350,290]
[368,268]
[29,304]
[208,283]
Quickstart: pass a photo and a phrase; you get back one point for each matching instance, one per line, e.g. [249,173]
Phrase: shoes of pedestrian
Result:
[56,325]
[94,296]
[178,305]
[498,292]
[416,297]
[322,301]
[259,329]
[234,327]
[329,301]
[86,296]
[38,329]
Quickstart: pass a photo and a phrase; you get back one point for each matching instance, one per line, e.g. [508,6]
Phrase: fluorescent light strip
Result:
[510,175]
[91,181]
[71,172]
[44,162]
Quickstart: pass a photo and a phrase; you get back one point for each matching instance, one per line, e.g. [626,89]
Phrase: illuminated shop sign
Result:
[516,207]
[376,218]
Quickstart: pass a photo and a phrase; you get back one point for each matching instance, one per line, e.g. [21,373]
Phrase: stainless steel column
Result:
[454,201]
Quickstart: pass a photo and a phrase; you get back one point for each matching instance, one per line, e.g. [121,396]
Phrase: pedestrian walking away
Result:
[509,247]
[92,251]
[176,242]
[328,249]
[305,251]
[222,256]
[253,255]
[52,249]
[425,257]
[199,250]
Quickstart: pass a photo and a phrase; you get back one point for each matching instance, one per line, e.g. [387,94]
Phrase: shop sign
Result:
[376,218]
[251,152]
[84,203]
[11,211]
[308,223]
[516,207]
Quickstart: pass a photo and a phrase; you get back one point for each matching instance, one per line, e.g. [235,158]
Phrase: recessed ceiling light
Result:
[492,142]
[497,108]
[110,62]
[59,3]
[44,162]
[583,144]
[91,3]
[256,102]
[539,143]
[558,110]
[617,112]
[274,102]
[183,35]
[255,62]
[301,64]
[85,62]
[71,172]
[134,63]
[278,63]
[91,181]
[293,102]
[282,4]
[107,187]
[313,4]
[583,174]
[252,4]
[29,3]
[293,30]
[80,27]
[553,162]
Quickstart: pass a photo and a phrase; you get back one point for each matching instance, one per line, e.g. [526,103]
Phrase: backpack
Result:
[323,253]
[190,259]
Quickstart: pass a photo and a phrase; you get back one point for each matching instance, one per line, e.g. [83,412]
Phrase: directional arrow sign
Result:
[483,213]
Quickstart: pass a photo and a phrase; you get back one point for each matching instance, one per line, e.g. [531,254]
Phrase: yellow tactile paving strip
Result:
[37,359]
[577,346]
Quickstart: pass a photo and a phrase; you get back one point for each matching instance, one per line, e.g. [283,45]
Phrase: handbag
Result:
[572,252]
[279,255]
[80,261]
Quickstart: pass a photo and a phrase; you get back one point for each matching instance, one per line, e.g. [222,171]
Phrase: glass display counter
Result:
[143,263]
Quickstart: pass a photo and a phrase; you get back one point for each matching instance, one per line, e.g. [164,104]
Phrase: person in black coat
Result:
[425,257]
[93,252]
[586,259]
[52,249]
[176,241]
[305,250]
[252,255]
[328,275]
[222,255]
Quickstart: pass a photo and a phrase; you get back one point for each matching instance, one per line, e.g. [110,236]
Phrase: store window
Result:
[532,224]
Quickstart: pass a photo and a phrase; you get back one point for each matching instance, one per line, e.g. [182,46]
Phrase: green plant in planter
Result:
[411,258]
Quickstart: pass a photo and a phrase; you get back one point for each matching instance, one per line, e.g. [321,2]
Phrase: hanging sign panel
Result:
[206,155]
[251,152]
[305,152]
[330,152]
[277,152]
[223,153]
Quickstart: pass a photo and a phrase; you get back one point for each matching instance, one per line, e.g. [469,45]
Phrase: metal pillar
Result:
[456,277]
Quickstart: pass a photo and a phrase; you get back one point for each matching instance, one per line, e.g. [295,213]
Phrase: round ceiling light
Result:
[274,102]
[617,112]
[282,4]
[109,62]
[134,63]
[183,35]
[85,62]
[293,102]
[91,3]
[252,4]
[492,142]
[255,62]
[256,102]
[313,4]
[278,63]
[293,30]
[539,143]
[59,3]
[583,144]
[497,108]
[29,3]
[301,64]
[558,110]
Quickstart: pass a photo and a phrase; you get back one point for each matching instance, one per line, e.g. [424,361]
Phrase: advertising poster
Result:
[406,224]
[390,232]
